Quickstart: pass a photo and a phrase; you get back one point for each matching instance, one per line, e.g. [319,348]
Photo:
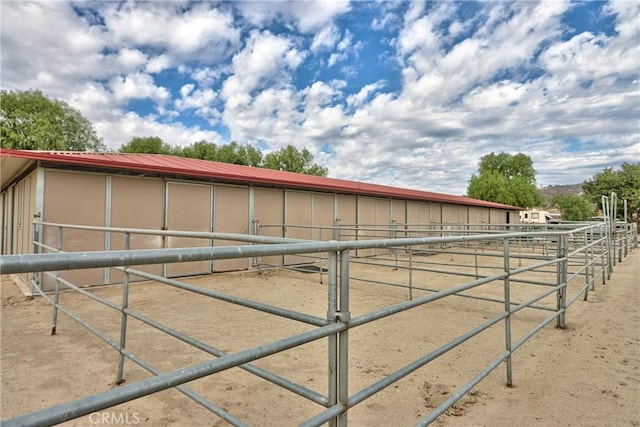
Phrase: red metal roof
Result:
[172,165]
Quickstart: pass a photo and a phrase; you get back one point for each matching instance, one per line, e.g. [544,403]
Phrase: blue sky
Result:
[409,94]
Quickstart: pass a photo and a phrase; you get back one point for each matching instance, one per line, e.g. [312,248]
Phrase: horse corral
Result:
[398,331]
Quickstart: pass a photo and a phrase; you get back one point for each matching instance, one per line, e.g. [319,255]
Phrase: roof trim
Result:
[171,165]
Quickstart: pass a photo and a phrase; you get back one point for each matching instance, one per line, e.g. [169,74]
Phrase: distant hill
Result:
[553,190]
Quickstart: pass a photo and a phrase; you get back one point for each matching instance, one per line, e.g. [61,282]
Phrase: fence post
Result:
[592,259]
[586,265]
[603,265]
[36,278]
[613,217]
[336,228]
[56,296]
[343,344]
[561,280]
[255,231]
[626,230]
[332,309]
[411,273]
[507,308]
[607,220]
[123,317]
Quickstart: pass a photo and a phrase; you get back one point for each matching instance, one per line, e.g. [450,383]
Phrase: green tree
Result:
[624,182]
[228,153]
[146,145]
[31,121]
[286,159]
[573,207]
[203,150]
[290,159]
[506,178]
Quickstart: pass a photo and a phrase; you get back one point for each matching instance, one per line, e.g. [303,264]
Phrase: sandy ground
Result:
[585,375]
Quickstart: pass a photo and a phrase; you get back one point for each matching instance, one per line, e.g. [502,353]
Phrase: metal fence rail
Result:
[574,259]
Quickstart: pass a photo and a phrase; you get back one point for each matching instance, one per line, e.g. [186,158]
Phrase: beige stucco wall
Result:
[102,199]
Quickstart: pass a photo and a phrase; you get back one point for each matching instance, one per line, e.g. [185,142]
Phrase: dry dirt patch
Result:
[587,374]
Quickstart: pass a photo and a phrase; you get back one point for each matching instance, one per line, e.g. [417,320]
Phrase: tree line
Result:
[510,179]
[287,158]
[31,121]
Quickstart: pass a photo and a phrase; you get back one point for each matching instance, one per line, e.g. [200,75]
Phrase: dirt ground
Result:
[585,375]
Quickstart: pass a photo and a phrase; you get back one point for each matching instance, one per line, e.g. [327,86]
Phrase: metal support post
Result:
[603,265]
[336,229]
[123,316]
[562,280]
[255,231]
[56,296]
[36,278]
[592,260]
[343,345]
[332,309]
[613,218]
[607,218]
[507,308]
[626,230]
[410,273]
[586,265]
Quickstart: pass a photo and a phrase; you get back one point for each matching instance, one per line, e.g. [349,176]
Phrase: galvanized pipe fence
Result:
[583,251]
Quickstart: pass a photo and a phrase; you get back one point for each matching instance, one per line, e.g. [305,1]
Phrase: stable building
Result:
[161,192]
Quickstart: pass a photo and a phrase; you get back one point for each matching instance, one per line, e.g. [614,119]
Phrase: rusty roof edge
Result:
[272,177]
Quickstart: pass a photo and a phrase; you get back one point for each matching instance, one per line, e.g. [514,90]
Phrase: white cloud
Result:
[207,76]
[186,89]
[519,81]
[158,64]
[321,94]
[388,21]
[138,86]
[325,38]
[131,59]
[266,58]
[344,48]
[200,30]
[124,126]
[200,100]
[306,16]
[358,99]
[94,101]
[499,95]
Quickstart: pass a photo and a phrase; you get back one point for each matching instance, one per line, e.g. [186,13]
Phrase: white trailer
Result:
[534,217]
